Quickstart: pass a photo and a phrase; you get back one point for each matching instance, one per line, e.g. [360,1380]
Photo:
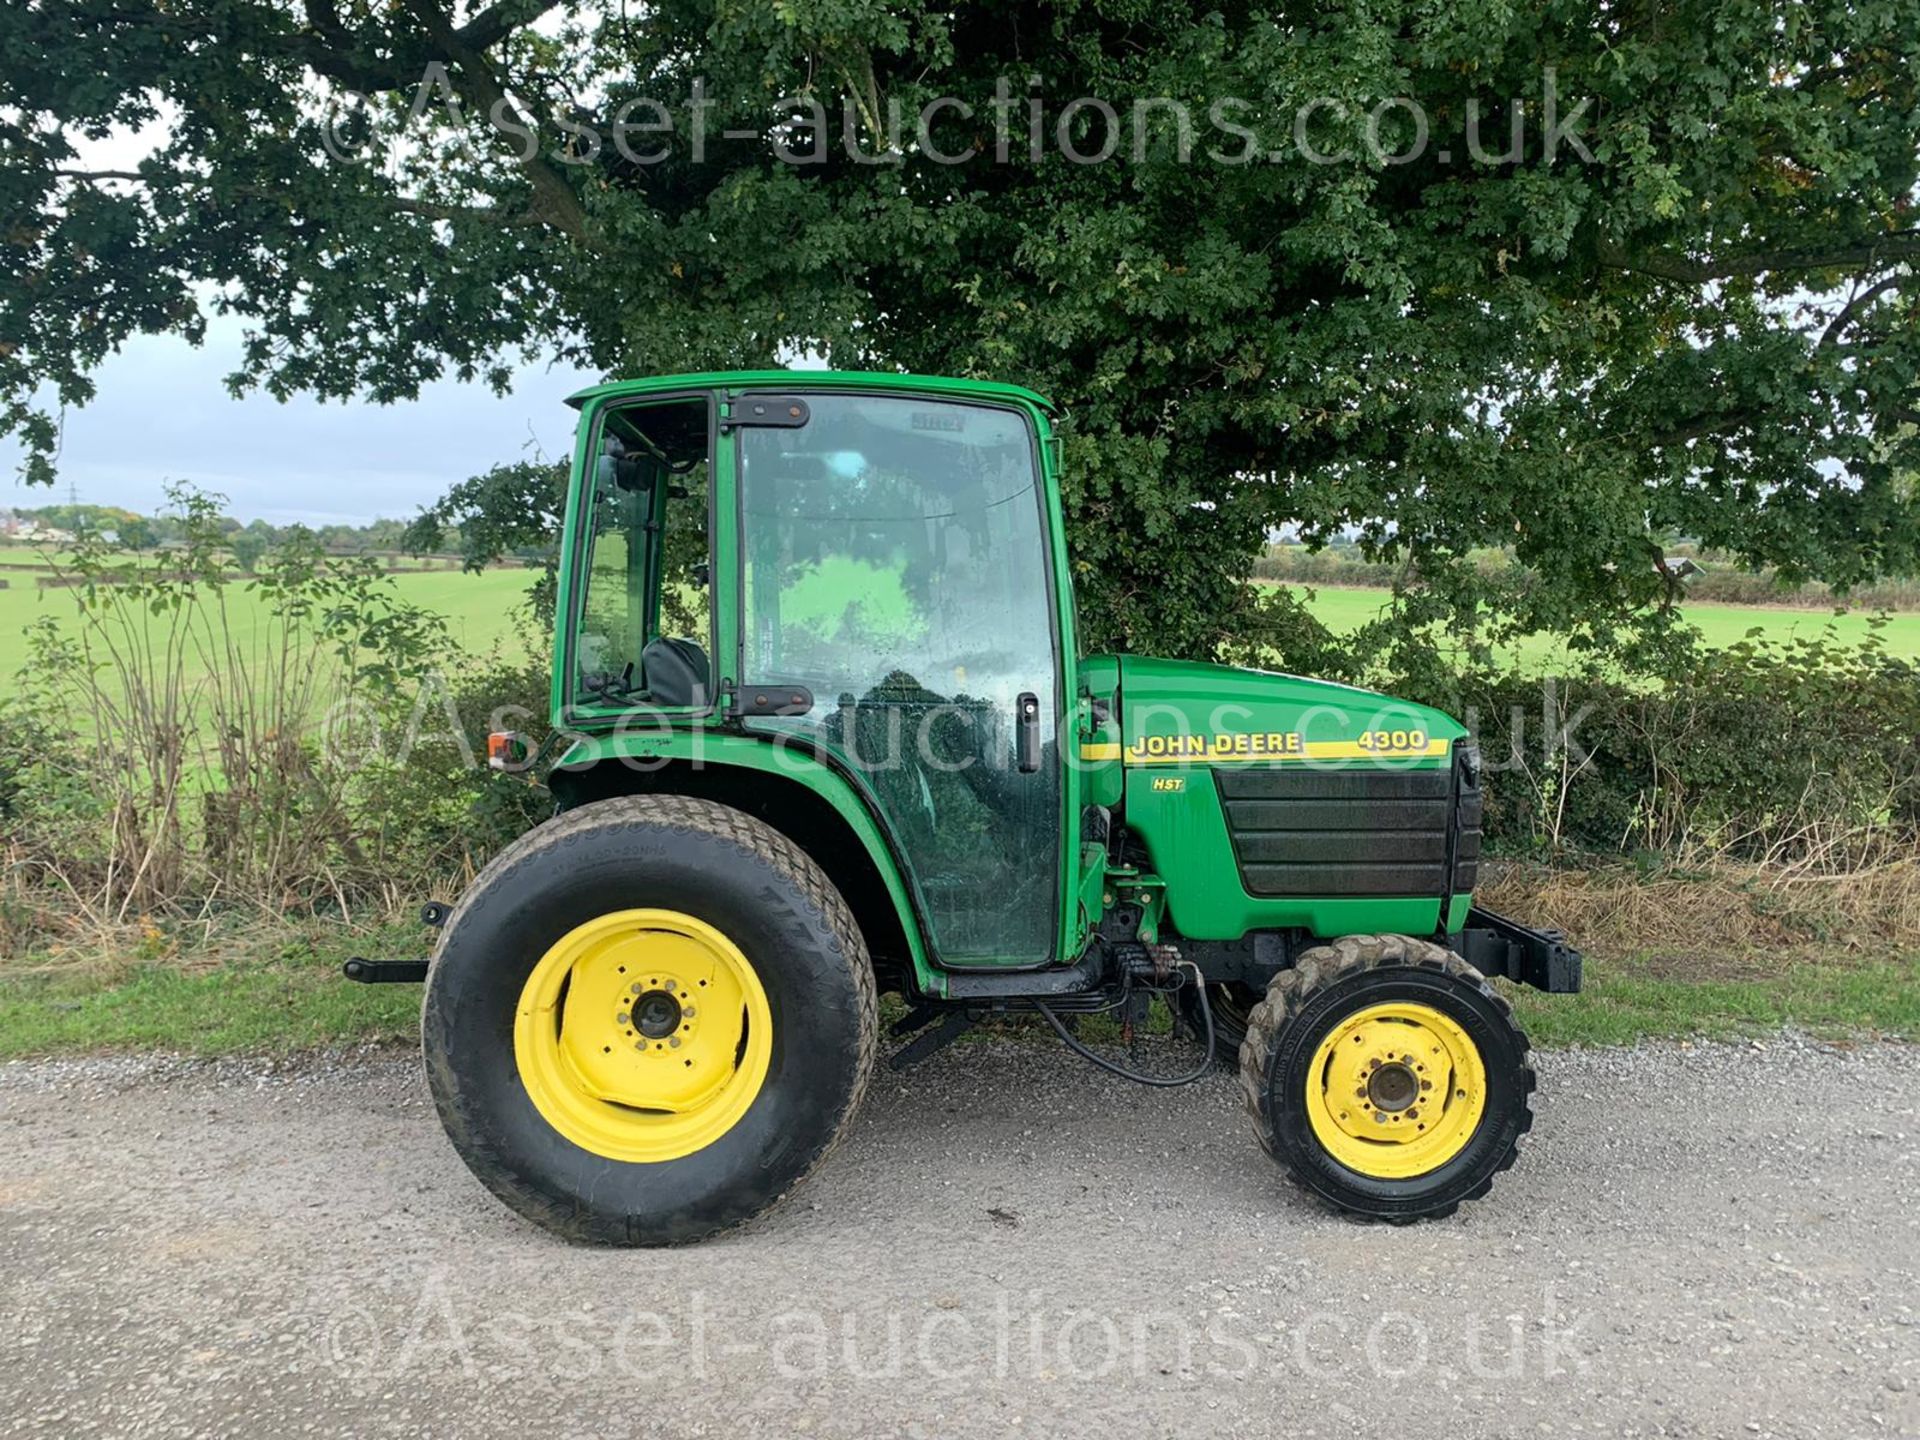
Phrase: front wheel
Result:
[1388,1076]
[648,1020]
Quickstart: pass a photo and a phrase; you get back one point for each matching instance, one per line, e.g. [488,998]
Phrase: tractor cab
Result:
[866,573]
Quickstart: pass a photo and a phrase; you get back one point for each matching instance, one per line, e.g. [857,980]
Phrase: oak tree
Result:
[1561,279]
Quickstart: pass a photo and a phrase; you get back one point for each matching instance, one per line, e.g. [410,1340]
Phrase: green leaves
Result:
[510,511]
[1585,278]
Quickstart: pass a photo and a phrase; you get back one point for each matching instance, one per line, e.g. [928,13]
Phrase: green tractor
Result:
[827,732]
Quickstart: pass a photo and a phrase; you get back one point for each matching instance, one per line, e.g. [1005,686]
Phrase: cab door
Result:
[894,563]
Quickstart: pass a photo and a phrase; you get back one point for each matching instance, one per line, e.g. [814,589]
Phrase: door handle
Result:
[1026,737]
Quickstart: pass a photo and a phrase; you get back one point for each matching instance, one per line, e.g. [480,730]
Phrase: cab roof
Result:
[811,380]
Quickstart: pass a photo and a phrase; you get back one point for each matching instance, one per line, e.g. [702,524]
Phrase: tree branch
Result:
[554,198]
[1904,245]
[1838,325]
[91,176]
[500,20]
[400,204]
[331,49]
[486,215]
[1702,427]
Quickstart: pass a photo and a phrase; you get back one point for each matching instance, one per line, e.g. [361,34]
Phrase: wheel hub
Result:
[656,1014]
[1396,1090]
[643,1035]
[1393,1087]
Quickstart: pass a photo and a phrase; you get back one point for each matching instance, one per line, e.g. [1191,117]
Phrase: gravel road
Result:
[1706,1240]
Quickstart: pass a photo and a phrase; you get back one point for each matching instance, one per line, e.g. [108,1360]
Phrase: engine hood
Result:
[1188,712]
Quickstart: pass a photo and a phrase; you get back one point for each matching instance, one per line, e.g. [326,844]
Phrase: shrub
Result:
[421,791]
[178,755]
[1799,752]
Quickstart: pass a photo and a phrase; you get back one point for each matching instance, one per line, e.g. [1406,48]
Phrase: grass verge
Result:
[298,1001]
[1718,952]
[223,1000]
[1833,995]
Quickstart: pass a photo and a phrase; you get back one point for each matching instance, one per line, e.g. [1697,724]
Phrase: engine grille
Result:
[1353,832]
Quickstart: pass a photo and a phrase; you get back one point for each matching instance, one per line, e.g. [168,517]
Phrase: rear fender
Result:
[789,789]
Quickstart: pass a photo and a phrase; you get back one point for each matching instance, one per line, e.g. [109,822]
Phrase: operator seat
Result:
[674,672]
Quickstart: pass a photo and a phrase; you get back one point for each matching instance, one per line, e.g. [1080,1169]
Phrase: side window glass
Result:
[645,630]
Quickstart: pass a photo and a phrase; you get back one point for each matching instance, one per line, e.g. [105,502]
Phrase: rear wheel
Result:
[648,1020]
[1388,1076]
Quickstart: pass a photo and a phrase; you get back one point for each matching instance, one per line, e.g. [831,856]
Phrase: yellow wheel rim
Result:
[643,1035]
[1396,1090]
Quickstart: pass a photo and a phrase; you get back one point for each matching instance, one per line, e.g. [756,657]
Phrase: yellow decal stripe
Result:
[1307,750]
[1109,750]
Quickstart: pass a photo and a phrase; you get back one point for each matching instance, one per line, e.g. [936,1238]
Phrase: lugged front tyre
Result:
[648,1020]
[1388,1077]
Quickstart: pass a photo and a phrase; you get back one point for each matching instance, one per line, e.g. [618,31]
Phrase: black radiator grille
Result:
[1466,855]
[1300,831]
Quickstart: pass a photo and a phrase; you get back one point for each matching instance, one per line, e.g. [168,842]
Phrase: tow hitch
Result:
[384,972]
[398,972]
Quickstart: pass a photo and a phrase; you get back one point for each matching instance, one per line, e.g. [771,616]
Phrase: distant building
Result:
[31,532]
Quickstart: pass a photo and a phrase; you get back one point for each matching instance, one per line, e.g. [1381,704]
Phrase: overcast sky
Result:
[163,414]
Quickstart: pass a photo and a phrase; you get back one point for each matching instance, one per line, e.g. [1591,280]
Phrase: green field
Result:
[484,609]
[480,609]
[1344,609]
[255,986]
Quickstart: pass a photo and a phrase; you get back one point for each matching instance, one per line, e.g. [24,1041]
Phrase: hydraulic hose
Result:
[1162,1081]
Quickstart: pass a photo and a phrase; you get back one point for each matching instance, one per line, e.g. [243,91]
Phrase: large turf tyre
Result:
[1311,1067]
[546,939]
